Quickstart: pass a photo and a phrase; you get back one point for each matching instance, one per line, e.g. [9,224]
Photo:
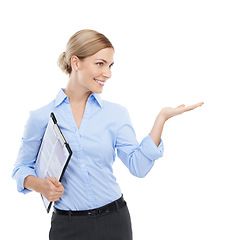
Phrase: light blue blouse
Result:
[88,180]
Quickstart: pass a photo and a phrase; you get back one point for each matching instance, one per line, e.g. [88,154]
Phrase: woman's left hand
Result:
[169,112]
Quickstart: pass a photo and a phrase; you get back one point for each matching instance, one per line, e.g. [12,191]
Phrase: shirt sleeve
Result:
[138,158]
[25,162]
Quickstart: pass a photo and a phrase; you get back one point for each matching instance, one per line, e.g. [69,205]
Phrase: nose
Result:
[107,73]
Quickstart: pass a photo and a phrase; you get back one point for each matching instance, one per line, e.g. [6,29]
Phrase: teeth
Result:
[102,83]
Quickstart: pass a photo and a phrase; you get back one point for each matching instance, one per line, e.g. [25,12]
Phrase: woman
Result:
[88,203]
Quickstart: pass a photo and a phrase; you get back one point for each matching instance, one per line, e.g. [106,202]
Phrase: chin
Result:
[97,91]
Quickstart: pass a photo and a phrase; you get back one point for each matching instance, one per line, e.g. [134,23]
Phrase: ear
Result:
[75,62]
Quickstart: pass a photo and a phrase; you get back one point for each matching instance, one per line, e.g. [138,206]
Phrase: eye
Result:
[99,63]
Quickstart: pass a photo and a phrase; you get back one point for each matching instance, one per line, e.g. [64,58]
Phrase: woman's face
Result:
[93,71]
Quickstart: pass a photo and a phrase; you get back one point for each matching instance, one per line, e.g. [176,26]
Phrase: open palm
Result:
[169,112]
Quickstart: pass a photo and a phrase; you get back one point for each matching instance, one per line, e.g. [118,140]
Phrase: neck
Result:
[76,93]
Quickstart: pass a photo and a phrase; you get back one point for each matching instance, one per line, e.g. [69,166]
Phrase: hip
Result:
[114,223]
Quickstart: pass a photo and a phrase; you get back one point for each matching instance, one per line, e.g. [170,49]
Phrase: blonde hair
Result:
[82,44]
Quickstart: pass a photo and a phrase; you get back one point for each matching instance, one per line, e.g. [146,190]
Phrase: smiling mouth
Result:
[101,83]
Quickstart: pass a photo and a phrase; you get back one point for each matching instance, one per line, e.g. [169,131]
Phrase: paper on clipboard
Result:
[53,156]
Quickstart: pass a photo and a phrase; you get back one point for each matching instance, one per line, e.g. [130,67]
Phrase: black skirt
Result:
[110,222]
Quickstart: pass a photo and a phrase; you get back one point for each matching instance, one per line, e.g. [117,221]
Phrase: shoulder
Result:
[115,108]
[41,115]
[116,112]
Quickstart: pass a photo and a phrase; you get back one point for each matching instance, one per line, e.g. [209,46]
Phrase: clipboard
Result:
[53,156]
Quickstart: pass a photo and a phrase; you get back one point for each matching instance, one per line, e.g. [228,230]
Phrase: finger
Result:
[183,105]
[55,181]
[60,189]
[56,194]
[191,107]
[54,199]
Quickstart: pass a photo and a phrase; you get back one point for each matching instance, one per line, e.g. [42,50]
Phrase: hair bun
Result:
[62,62]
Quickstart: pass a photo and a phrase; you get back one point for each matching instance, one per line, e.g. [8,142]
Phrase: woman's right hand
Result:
[50,187]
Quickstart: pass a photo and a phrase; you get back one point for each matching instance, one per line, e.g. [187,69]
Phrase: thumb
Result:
[55,181]
[182,105]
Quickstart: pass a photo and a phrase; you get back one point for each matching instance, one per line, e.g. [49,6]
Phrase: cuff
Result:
[20,178]
[150,150]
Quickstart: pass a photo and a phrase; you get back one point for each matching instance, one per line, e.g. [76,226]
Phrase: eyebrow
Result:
[105,61]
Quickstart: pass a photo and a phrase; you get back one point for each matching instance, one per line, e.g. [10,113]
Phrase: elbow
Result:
[140,173]
[140,167]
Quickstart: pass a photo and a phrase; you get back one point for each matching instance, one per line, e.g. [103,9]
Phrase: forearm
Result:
[32,183]
[164,115]
[157,129]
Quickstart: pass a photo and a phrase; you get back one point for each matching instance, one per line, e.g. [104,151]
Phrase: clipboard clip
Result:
[57,130]
[59,135]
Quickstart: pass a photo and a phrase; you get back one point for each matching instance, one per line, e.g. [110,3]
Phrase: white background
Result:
[166,53]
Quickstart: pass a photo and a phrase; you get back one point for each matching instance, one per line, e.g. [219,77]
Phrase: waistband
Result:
[113,206]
